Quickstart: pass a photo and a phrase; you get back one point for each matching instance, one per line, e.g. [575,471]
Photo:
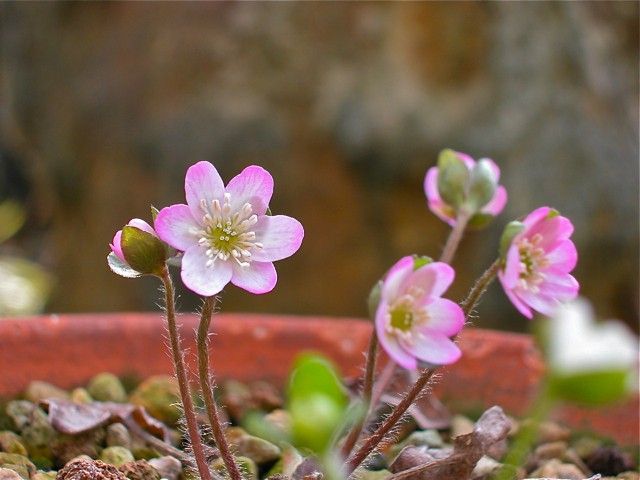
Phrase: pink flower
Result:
[447,212]
[116,248]
[412,321]
[225,233]
[537,264]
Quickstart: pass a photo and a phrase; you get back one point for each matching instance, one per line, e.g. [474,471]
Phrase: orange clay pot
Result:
[496,368]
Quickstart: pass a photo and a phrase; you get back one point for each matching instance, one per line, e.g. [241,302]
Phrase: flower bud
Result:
[482,186]
[453,176]
[143,251]
[374,299]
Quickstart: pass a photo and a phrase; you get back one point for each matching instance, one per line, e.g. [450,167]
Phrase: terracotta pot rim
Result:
[502,368]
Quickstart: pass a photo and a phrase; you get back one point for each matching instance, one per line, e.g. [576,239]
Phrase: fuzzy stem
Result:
[367,389]
[454,238]
[181,374]
[540,409]
[479,288]
[207,383]
[394,417]
[383,382]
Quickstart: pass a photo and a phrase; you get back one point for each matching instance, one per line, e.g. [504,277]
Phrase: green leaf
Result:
[143,251]
[12,218]
[593,388]
[420,261]
[154,213]
[453,177]
[317,402]
[482,186]
[119,267]
[510,231]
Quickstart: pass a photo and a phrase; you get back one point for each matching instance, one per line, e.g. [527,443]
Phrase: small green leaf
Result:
[482,186]
[510,231]
[143,251]
[118,267]
[593,388]
[154,213]
[24,288]
[420,261]
[317,402]
[453,177]
[12,218]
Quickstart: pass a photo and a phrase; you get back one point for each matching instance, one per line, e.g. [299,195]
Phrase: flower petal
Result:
[511,273]
[560,285]
[253,185]
[434,278]
[258,277]
[497,203]
[540,302]
[396,276]
[519,304]
[280,236]
[445,317]
[433,347]
[116,246]
[431,185]
[390,344]
[202,182]
[564,256]
[552,230]
[534,217]
[176,226]
[201,279]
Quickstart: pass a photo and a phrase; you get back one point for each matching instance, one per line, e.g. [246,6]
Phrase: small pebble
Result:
[556,469]
[37,391]
[116,456]
[547,451]
[118,436]
[11,442]
[106,387]
[168,467]
[8,474]
[461,425]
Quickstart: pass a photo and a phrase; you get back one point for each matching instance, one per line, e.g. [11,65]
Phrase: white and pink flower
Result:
[413,322]
[225,233]
[115,244]
[535,274]
[448,212]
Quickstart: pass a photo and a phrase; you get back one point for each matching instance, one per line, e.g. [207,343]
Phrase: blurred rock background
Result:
[104,106]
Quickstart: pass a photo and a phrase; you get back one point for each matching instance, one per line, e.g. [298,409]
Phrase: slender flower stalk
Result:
[394,417]
[367,390]
[207,383]
[479,288]
[457,232]
[183,382]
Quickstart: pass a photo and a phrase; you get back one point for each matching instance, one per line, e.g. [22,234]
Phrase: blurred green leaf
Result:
[118,267]
[154,213]
[420,261]
[25,286]
[316,401]
[510,231]
[480,220]
[12,218]
[591,388]
[143,251]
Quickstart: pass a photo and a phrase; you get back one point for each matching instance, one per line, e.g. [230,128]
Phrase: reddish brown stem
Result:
[394,417]
[367,389]
[454,238]
[207,384]
[181,375]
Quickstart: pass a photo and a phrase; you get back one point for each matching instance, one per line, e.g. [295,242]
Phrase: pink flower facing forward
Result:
[537,264]
[115,244]
[412,321]
[225,233]
[447,212]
